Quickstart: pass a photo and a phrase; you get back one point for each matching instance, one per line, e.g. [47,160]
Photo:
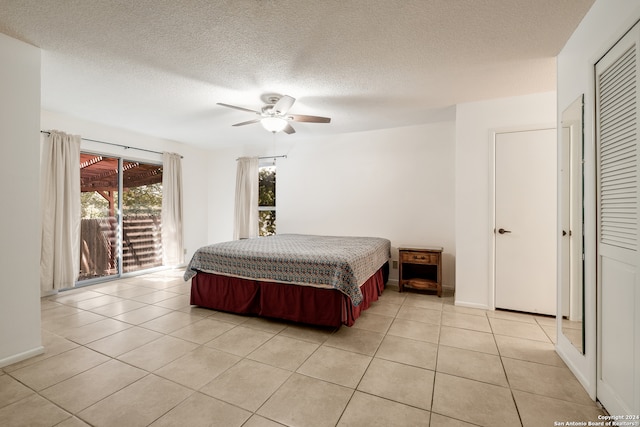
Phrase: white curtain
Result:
[172,218]
[246,209]
[60,198]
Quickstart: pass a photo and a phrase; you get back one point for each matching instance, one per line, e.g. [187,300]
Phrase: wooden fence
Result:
[141,245]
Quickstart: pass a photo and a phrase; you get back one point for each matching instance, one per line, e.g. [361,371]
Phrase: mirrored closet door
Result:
[572,283]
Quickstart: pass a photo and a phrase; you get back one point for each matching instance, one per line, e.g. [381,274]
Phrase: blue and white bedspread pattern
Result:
[342,263]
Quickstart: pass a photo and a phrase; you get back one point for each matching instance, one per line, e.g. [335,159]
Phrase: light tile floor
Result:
[134,353]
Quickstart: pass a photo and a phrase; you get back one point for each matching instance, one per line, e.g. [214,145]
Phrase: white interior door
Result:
[526,221]
[617,142]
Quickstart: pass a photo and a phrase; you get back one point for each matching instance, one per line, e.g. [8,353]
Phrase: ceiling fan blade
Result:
[248,122]
[308,119]
[238,108]
[283,105]
[289,129]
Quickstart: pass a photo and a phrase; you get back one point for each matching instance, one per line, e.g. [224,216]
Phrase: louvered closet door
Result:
[617,127]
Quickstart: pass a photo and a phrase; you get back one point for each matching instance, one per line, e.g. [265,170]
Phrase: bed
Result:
[318,280]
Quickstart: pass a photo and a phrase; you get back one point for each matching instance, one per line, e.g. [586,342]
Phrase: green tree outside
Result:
[144,199]
[267,199]
[93,205]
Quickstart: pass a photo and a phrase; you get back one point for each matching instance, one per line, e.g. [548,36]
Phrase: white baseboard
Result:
[21,356]
[472,305]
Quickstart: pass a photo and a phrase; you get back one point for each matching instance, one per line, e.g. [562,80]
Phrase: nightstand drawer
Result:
[418,257]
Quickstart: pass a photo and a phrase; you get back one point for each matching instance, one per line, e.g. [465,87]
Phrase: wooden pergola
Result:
[100,174]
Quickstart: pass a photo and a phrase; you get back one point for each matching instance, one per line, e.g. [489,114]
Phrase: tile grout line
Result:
[504,371]
[274,334]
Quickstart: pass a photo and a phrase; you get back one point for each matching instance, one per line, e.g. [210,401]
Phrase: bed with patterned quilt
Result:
[319,280]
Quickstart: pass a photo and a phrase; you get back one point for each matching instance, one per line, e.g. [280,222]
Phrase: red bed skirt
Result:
[305,304]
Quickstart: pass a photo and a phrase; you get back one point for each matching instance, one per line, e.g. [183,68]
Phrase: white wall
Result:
[222,190]
[394,183]
[195,166]
[20,336]
[603,25]
[475,123]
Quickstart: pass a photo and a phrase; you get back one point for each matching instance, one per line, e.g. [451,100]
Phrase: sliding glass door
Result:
[141,216]
[121,224]
[99,246]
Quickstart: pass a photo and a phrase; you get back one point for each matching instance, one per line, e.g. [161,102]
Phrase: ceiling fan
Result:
[274,115]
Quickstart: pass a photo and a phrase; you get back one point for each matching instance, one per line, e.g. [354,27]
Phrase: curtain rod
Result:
[126,147]
[282,156]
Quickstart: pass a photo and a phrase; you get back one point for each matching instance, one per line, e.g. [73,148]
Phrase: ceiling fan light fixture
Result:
[273,124]
[274,116]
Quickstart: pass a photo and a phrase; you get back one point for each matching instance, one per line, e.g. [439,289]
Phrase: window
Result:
[267,200]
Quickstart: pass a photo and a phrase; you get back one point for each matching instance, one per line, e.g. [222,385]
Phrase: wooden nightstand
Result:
[420,268]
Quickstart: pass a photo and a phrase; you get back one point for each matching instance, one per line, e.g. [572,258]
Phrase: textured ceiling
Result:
[160,66]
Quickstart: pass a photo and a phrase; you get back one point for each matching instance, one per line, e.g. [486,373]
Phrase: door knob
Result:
[503,231]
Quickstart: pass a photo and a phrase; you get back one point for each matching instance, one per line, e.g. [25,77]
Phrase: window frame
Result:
[263,164]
